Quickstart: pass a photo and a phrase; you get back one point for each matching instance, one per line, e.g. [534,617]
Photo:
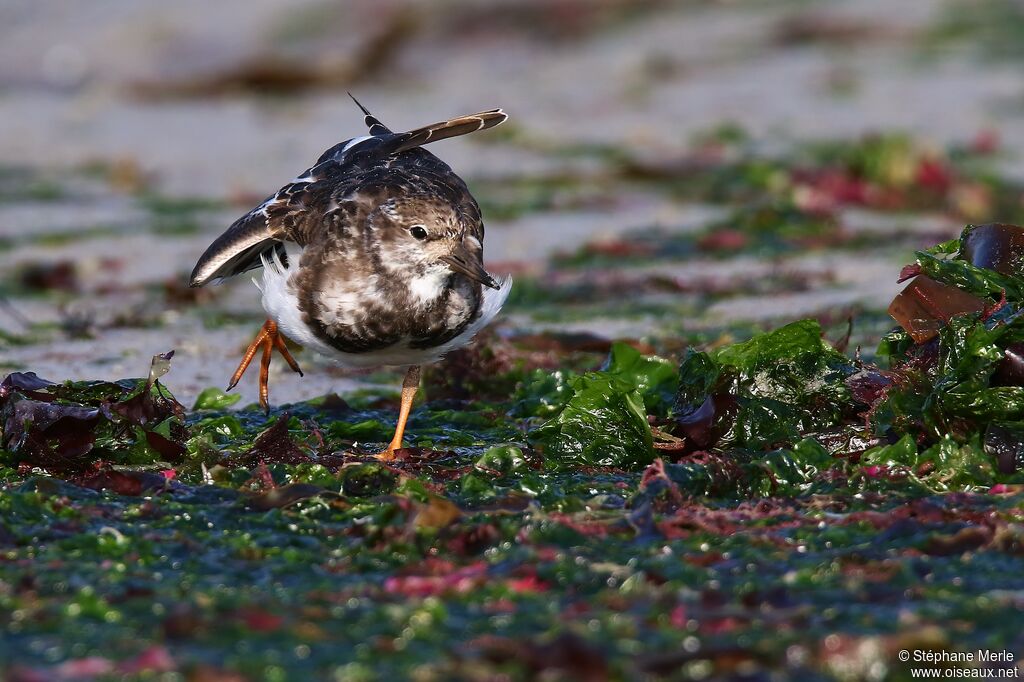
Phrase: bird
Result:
[371,257]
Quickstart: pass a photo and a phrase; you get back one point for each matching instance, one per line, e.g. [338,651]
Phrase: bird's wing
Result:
[307,197]
[261,230]
[453,127]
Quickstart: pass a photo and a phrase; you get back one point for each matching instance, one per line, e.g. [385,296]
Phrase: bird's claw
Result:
[268,338]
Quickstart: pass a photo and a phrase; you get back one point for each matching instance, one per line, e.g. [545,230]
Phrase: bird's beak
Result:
[465,263]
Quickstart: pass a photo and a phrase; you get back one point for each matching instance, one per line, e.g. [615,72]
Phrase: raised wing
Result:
[260,231]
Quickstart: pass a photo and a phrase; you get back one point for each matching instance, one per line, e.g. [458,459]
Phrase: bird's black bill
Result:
[470,268]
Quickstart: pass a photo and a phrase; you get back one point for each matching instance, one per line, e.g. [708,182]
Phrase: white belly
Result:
[282,306]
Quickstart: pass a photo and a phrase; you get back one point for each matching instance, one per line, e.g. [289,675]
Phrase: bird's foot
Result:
[388,454]
[268,338]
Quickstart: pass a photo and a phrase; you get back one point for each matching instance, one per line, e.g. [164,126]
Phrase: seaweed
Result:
[67,427]
[603,423]
[652,516]
[764,392]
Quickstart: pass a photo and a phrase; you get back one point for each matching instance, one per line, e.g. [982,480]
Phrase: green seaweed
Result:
[655,378]
[215,399]
[603,424]
[959,398]
[784,383]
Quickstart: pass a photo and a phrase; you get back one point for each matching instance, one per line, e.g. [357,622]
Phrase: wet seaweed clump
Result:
[943,411]
[956,394]
[77,428]
[599,418]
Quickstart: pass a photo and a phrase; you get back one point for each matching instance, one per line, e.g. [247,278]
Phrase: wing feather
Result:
[258,233]
[453,127]
[239,248]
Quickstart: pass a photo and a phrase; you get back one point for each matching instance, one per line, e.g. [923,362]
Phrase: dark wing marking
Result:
[342,152]
[371,121]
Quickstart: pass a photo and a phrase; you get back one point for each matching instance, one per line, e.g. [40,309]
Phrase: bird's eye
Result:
[418,231]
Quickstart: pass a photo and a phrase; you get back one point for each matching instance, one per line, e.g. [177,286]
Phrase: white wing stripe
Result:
[354,141]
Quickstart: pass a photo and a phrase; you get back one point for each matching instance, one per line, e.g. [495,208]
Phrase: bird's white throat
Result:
[430,285]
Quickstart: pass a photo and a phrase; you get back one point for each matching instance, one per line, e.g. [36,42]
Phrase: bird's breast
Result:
[362,314]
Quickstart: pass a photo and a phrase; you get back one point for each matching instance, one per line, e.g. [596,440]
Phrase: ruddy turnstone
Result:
[374,256]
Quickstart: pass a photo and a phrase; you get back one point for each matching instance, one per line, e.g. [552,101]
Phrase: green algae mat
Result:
[771,509]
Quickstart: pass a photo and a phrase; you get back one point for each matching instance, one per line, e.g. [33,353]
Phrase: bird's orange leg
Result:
[268,339]
[410,385]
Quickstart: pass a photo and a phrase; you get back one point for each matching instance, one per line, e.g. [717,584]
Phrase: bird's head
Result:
[432,237]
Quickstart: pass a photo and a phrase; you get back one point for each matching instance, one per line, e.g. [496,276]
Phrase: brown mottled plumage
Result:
[372,256]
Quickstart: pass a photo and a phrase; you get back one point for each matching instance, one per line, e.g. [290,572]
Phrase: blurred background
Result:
[672,172]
